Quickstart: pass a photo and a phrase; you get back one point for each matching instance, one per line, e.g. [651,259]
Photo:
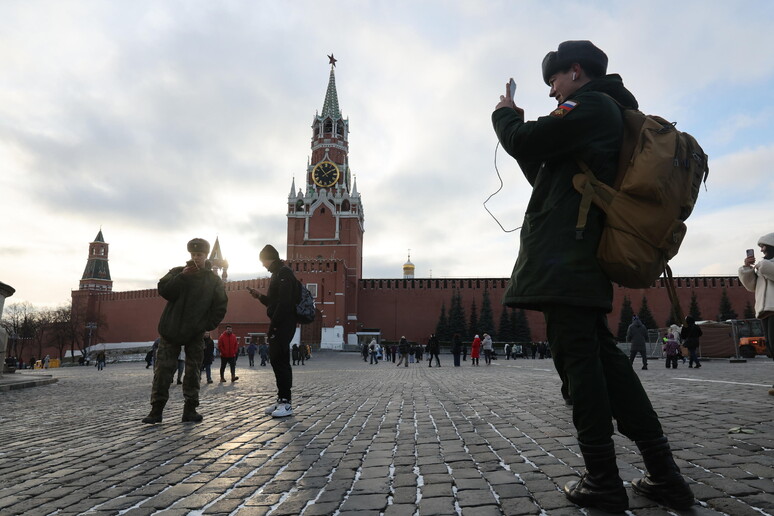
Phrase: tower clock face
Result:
[325,174]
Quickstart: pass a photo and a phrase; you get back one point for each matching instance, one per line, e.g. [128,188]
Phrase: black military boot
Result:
[600,486]
[190,415]
[155,414]
[663,482]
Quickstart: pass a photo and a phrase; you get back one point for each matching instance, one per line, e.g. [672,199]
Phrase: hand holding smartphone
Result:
[512,89]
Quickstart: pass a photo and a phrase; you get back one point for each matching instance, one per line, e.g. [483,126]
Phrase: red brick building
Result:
[325,249]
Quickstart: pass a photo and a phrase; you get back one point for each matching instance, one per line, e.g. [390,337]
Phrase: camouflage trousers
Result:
[166,365]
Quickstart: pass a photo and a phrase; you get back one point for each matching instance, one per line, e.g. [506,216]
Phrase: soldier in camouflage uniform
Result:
[196,302]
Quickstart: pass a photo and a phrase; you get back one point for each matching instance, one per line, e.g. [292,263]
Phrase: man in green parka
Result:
[196,302]
[557,273]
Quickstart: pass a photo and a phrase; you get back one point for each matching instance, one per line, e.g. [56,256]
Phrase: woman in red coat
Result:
[475,351]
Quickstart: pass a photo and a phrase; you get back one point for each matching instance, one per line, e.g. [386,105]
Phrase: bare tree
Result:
[19,321]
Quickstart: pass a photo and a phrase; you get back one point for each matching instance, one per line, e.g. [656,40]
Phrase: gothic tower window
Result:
[328,127]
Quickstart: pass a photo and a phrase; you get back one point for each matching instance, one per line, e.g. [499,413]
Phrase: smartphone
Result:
[512,88]
[750,252]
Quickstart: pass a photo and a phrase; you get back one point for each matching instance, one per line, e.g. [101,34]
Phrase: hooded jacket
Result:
[195,303]
[553,266]
[637,334]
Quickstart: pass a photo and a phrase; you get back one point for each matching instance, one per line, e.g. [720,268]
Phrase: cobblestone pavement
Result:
[368,439]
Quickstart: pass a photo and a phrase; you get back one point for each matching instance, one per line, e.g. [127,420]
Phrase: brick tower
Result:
[325,220]
[96,276]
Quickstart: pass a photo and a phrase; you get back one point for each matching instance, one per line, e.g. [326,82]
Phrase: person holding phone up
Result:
[196,302]
[759,278]
[557,273]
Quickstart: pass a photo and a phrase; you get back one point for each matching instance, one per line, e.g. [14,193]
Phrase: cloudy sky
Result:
[163,120]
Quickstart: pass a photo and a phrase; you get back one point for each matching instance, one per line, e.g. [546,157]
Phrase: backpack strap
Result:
[586,198]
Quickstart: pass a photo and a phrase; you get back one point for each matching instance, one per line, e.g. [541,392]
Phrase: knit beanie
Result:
[269,253]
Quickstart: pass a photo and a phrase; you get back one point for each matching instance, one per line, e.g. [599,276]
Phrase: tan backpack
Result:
[659,175]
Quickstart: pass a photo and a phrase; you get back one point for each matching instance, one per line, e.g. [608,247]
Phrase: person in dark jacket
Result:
[280,302]
[433,350]
[196,302]
[209,355]
[637,335]
[403,350]
[690,336]
[557,272]
[456,349]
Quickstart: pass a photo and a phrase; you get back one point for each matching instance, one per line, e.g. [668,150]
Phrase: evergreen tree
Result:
[726,311]
[521,328]
[626,319]
[473,328]
[646,316]
[486,318]
[749,311]
[442,328]
[457,316]
[694,310]
[505,331]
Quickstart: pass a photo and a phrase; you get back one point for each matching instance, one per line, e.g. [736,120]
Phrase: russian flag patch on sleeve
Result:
[564,108]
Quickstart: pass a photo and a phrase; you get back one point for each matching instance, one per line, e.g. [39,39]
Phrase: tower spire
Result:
[331,104]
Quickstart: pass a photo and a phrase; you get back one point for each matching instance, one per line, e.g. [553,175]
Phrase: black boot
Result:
[190,415]
[600,486]
[155,414]
[663,482]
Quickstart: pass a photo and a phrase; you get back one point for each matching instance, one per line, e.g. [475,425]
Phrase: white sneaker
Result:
[283,409]
[271,408]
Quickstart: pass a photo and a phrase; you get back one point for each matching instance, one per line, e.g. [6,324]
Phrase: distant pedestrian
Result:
[101,360]
[433,350]
[456,348]
[228,346]
[372,350]
[298,356]
[181,366]
[263,351]
[507,351]
[671,349]
[464,351]
[690,335]
[486,344]
[475,350]
[637,335]
[209,356]
[403,351]
[251,349]
[196,302]
[364,352]
[759,278]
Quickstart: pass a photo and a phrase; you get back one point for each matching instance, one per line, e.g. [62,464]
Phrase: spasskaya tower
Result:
[325,217]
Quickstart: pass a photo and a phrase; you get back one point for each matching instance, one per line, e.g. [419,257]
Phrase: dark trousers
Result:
[671,362]
[456,359]
[643,354]
[231,362]
[601,382]
[251,358]
[437,359]
[166,364]
[207,369]
[279,355]
[768,332]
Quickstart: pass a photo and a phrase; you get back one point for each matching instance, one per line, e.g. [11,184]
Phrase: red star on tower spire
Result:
[332,60]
